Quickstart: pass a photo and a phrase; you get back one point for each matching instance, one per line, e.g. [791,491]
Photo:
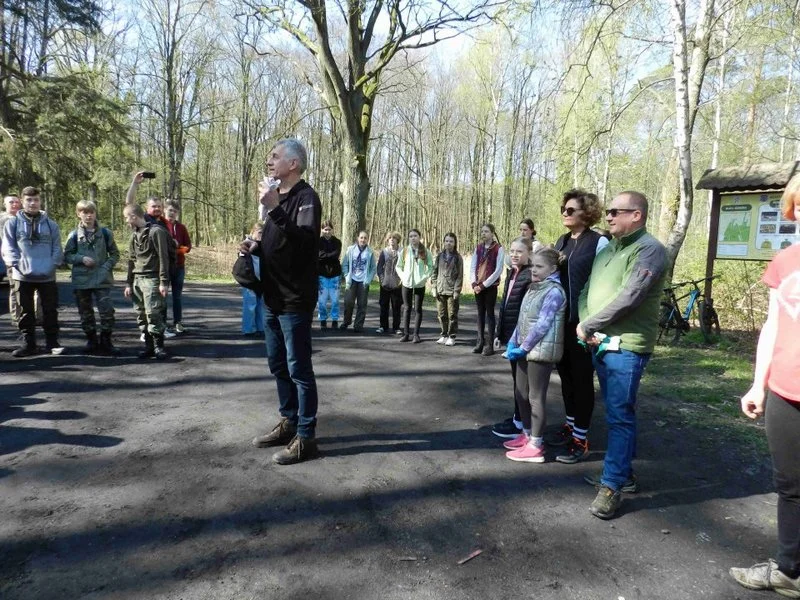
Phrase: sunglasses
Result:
[569,211]
[613,212]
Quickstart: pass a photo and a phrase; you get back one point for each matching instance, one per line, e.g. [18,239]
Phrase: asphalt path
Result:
[122,478]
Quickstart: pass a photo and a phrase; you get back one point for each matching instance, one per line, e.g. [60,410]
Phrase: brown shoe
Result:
[281,434]
[298,450]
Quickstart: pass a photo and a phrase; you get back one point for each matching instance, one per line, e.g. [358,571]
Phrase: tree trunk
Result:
[354,188]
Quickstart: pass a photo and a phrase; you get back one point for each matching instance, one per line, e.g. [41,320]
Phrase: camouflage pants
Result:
[149,305]
[105,307]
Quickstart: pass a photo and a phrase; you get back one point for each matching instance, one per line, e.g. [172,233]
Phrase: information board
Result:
[751,227]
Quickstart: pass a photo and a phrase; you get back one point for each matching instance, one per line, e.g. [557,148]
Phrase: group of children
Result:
[31,248]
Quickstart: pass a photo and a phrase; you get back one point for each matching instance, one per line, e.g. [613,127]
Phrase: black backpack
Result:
[244,272]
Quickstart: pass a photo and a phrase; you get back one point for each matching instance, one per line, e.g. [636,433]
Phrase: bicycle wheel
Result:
[668,321]
[709,321]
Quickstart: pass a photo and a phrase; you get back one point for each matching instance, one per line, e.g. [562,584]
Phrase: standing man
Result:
[12,205]
[358,268]
[288,255]
[148,279]
[183,245]
[155,216]
[330,274]
[32,251]
[621,301]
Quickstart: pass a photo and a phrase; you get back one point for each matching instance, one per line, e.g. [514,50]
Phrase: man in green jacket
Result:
[148,279]
[621,301]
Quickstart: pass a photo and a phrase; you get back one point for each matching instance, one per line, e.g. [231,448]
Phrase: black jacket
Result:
[576,269]
[509,309]
[288,251]
[329,252]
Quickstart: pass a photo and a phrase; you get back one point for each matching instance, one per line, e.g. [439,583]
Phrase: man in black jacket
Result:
[330,275]
[288,257]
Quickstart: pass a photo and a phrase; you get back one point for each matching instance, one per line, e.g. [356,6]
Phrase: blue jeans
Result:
[288,339]
[619,374]
[252,312]
[328,290]
[177,278]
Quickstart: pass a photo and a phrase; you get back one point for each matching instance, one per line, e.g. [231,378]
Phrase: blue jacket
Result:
[32,246]
[348,265]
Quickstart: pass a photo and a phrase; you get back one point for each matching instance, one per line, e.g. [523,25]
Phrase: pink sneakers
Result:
[517,442]
[528,453]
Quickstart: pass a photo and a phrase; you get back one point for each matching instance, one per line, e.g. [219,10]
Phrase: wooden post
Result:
[713,235]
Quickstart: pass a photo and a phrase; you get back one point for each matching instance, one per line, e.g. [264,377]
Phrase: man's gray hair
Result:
[296,149]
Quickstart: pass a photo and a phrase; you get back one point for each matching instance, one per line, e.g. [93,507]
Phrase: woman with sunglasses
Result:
[579,211]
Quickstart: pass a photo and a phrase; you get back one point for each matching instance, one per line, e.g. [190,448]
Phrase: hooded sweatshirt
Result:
[32,246]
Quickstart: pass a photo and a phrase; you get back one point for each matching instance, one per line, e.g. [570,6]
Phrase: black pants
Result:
[486,301]
[48,292]
[783,436]
[395,298]
[417,294]
[577,379]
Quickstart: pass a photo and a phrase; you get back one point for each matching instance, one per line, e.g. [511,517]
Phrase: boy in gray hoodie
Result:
[32,251]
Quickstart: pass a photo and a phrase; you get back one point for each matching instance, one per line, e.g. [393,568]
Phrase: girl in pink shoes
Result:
[536,345]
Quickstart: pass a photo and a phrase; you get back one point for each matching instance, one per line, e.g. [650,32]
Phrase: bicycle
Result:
[672,318]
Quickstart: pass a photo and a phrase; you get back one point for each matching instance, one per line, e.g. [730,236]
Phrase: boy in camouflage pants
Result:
[148,279]
[92,252]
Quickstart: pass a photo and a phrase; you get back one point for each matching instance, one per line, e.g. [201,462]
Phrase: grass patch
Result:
[701,386]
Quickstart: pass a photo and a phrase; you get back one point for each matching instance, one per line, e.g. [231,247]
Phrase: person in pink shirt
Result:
[776,393]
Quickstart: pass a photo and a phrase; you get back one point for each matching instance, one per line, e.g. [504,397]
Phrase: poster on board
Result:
[751,227]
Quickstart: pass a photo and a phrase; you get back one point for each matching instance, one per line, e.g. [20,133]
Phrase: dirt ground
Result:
[124,479]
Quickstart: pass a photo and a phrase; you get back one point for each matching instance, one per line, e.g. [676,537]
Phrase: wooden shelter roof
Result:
[765,176]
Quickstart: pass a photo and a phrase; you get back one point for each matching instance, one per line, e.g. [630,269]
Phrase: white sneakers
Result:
[446,341]
[441,340]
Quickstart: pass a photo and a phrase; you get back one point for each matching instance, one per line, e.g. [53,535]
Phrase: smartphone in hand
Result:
[148,175]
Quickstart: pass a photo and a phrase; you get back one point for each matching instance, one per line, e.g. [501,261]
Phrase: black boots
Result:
[91,343]
[28,347]
[159,351]
[149,347]
[478,346]
[106,346]
[153,347]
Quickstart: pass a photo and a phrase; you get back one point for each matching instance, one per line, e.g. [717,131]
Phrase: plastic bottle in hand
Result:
[271,183]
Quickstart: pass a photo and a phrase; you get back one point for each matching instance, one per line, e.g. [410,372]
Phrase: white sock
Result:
[537,441]
[518,424]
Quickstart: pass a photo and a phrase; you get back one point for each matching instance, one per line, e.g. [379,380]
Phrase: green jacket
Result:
[624,291]
[101,247]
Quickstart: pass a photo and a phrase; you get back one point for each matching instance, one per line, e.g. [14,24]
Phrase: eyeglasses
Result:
[569,210]
[613,212]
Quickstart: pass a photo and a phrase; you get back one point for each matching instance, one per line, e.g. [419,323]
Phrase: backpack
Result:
[172,251]
[244,272]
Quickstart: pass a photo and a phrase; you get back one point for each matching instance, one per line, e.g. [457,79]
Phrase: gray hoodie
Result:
[32,246]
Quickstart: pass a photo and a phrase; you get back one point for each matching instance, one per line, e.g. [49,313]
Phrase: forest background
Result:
[416,113]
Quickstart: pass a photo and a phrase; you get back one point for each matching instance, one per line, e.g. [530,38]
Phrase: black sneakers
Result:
[506,429]
[577,451]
